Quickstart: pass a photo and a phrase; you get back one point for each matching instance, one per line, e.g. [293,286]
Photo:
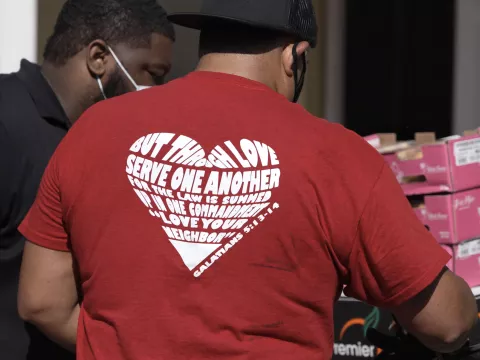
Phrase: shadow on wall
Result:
[186,48]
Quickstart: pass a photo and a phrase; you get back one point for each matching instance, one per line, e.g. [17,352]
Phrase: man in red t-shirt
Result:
[212,218]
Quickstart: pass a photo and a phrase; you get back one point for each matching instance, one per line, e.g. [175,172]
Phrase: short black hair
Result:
[231,38]
[114,21]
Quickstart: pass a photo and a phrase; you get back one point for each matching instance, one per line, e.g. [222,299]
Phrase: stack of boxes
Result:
[441,179]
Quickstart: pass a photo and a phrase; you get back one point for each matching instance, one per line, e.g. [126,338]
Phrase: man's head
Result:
[264,40]
[265,55]
[103,43]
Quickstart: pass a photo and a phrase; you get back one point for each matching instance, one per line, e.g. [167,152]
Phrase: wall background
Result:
[48,11]
[466,102]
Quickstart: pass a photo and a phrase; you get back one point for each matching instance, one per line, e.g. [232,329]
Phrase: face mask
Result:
[120,65]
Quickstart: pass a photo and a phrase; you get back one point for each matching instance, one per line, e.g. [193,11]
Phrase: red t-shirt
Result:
[213,219]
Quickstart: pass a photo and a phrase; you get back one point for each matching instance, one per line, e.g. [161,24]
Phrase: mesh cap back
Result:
[302,21]
[293,17]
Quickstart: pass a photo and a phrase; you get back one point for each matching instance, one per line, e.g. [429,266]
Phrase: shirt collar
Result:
[42,94]
[231,79]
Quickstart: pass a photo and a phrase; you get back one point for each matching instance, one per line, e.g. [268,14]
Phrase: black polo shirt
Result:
[32,124]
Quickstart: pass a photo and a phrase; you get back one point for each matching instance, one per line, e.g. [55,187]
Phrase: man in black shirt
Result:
[99,49]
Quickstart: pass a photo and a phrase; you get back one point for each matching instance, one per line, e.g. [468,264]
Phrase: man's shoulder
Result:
[321,133]
[332,144]
[10,82]
[16,105]
[13,93]
[4,76]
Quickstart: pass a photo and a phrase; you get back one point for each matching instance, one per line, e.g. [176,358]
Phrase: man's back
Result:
[32,123]
[211,218]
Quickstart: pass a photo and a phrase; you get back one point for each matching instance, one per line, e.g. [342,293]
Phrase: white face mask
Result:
[119,63]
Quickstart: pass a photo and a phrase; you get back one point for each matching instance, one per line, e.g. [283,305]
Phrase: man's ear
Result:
[287,56]
[97,52]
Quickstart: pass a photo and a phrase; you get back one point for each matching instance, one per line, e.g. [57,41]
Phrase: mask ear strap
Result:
[100,85]
[295,70]
[119,63]
[299,82]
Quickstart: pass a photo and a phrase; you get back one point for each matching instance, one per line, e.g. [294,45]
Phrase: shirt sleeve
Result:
[393,256]
[44,225]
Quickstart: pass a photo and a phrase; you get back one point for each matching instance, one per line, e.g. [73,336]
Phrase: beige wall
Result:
[312,95]
[48,11]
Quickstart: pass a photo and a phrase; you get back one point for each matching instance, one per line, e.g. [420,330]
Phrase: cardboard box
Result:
[451,218]
[352,318]
[475,335]
[387,143]
[419,208]
[428,165]
[466,261]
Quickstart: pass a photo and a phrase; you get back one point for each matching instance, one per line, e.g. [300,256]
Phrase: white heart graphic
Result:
[206,203]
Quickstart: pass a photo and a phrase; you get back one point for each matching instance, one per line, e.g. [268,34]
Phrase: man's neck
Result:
[66,88]
[247,66]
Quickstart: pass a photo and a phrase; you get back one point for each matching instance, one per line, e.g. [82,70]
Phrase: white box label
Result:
[468,249]
[467,152]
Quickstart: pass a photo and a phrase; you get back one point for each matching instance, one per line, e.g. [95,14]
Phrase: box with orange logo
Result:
[475,335]
[352,318]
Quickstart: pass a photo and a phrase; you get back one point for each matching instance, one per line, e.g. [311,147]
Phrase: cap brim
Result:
[198,21]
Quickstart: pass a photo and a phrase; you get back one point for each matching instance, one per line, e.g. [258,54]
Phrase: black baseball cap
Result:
[290,17]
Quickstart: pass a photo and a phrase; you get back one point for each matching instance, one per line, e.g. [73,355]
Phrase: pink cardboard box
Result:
[429,166]
[466,261]
[421,212]
[451,218]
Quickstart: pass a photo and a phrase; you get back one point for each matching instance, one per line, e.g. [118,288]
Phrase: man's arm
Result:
[397,264]
[448,296]
[386,256]
[47,295]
